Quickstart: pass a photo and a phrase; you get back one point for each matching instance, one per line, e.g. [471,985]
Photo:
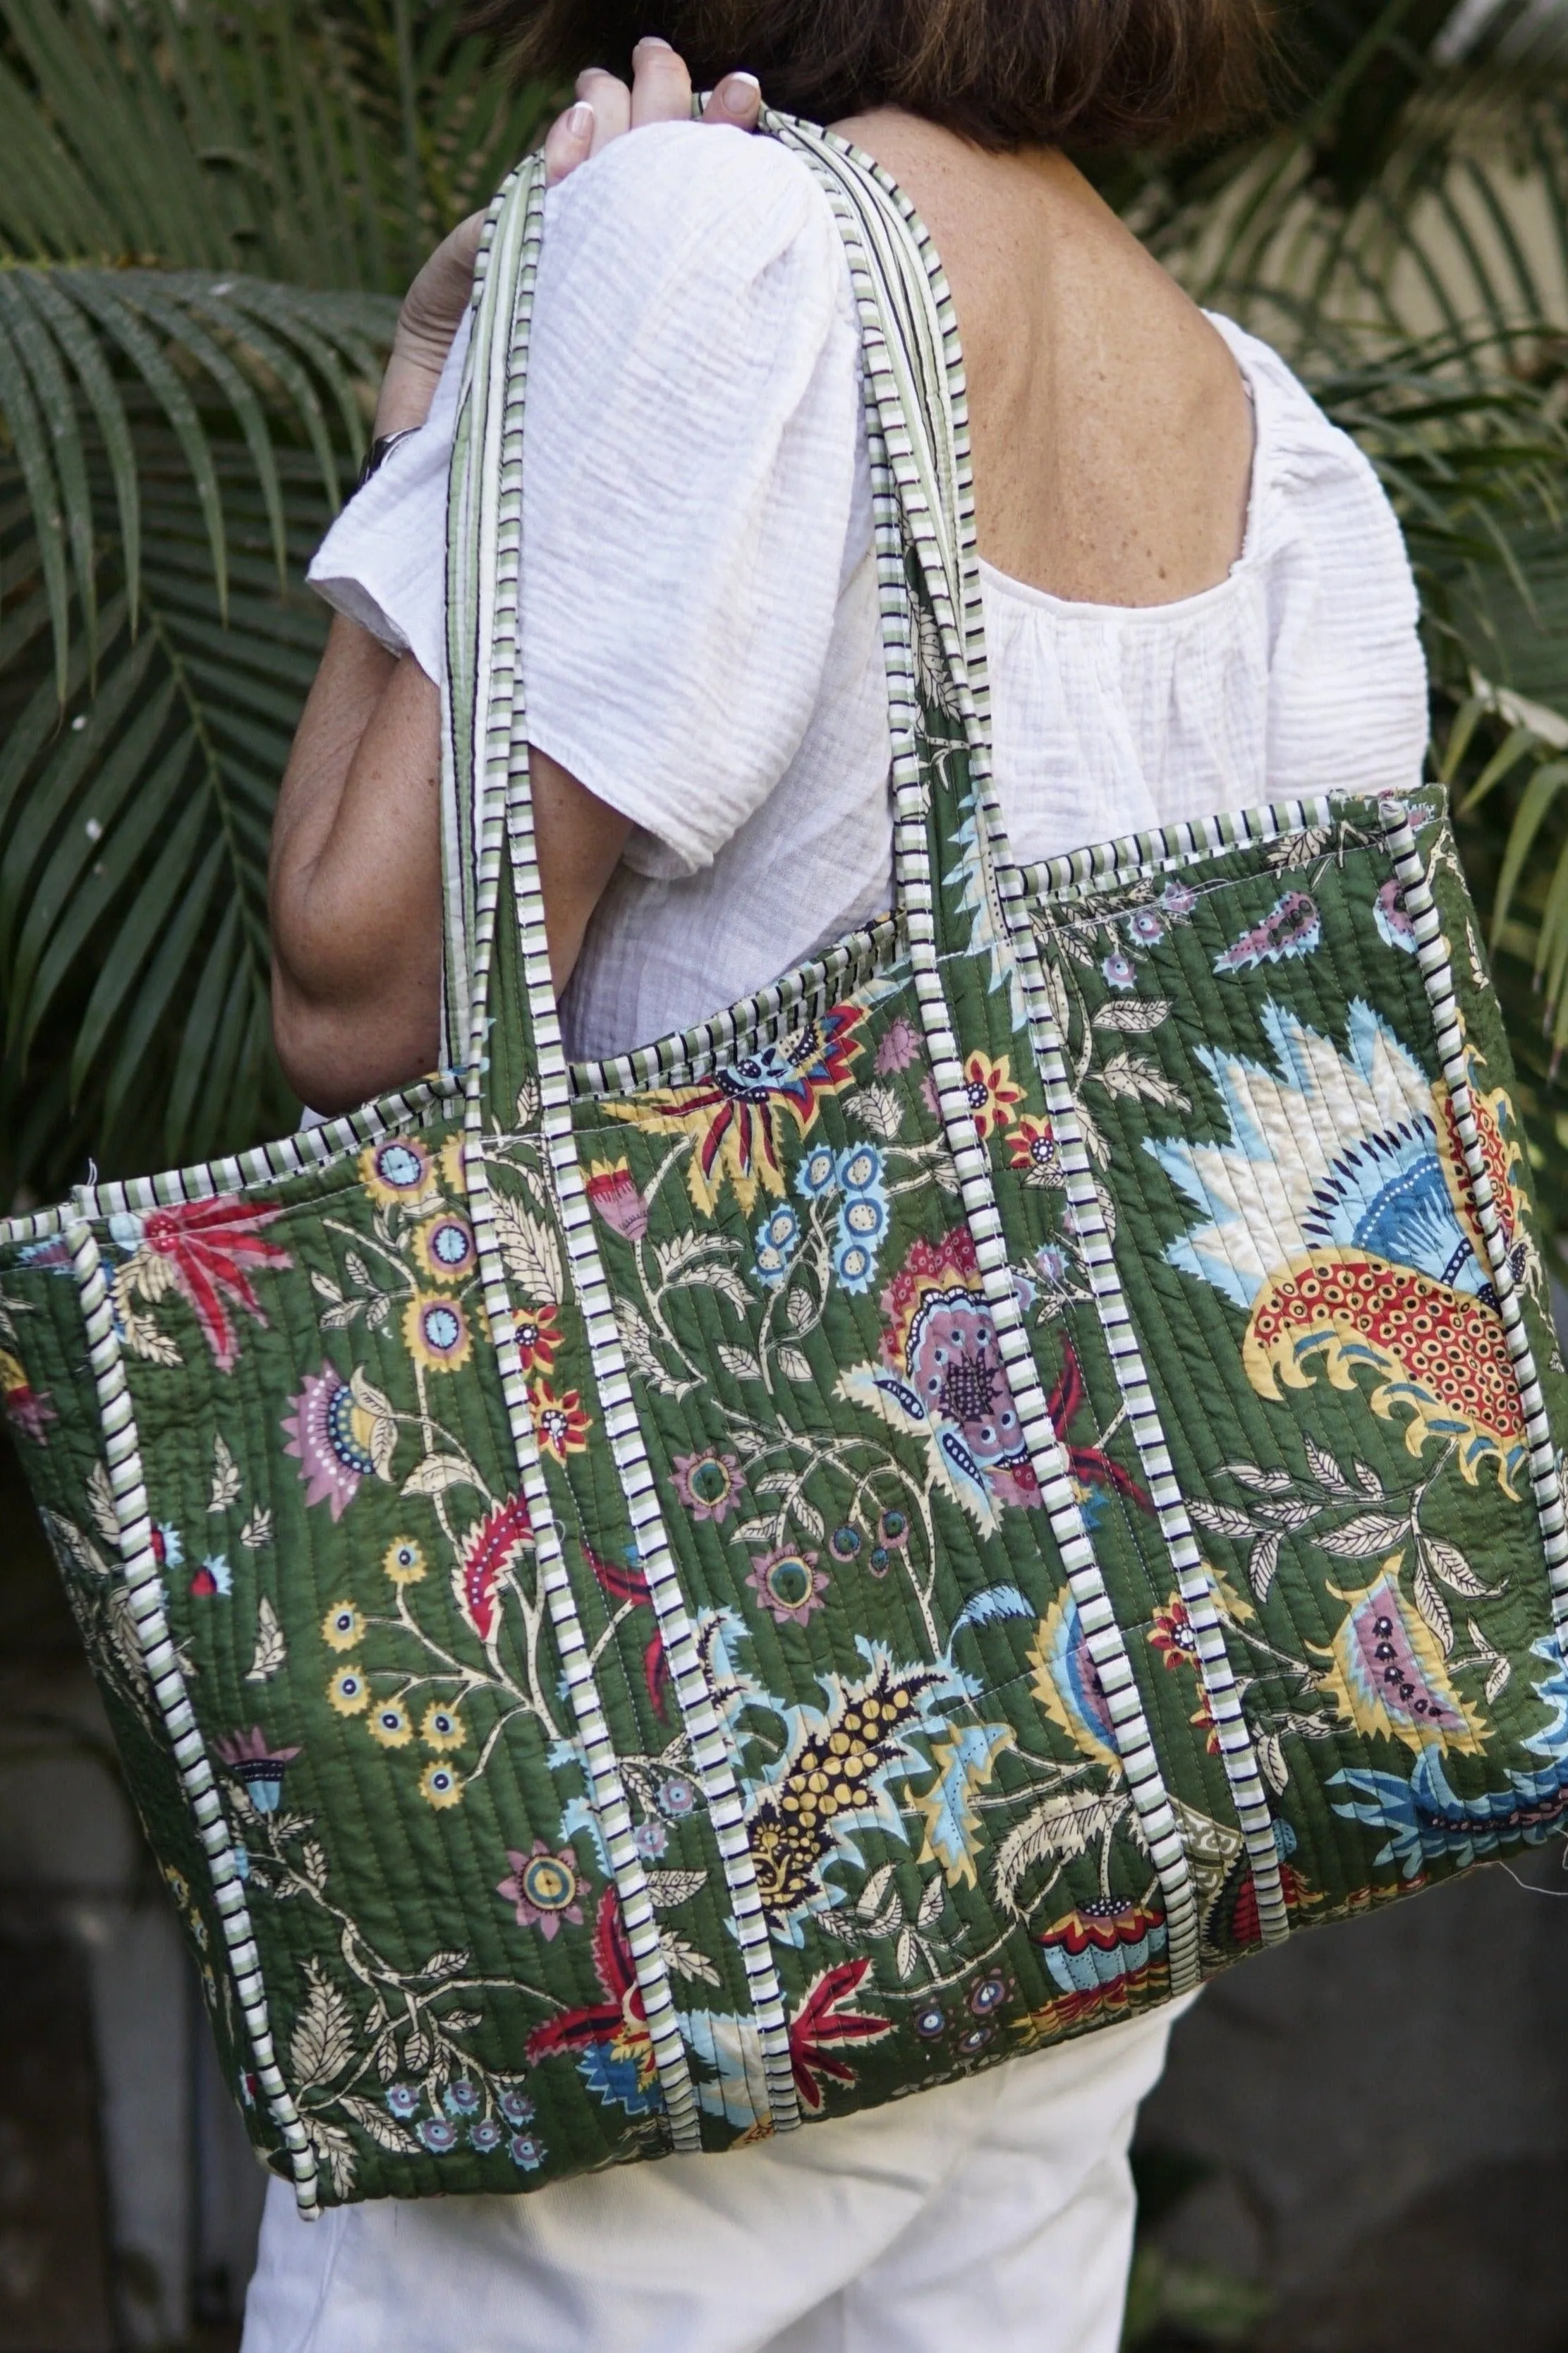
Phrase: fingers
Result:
[660,93]
[568,142]
[737,101]
[611,103]
[661,87]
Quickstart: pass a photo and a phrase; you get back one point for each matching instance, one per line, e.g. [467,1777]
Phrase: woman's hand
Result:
[605,109]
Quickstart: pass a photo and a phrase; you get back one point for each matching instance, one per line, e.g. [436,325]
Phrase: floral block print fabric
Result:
[647,1606]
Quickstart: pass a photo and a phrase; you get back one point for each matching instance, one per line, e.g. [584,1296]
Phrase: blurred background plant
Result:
[206,217]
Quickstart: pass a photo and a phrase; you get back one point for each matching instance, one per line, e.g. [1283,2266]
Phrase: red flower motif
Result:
[538,1337]
[991,1095]
[825,2019]
[1088,1465]
[560,1423]
[630,1584]
[490,1550]
[207,1246]
[1033,1148]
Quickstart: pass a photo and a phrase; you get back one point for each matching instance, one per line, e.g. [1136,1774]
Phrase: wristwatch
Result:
[380,449]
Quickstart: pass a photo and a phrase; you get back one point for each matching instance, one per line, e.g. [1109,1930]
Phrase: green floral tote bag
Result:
[646,1605]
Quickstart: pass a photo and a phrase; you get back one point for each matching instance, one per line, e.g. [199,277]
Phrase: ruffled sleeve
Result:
[689,485]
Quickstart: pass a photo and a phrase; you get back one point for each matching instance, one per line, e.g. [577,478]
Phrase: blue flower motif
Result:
[526,2149]
[485,2135]
[402,2099]
[859,1170]
[817,1173]
[462,2098]
[677,1798]
[650,1839]
[1145,926]
[439,2135]
[863,1217]
[1050,1264]
[1120,970]
[1178,900]
[777,1239]
[516,2107]
[855,1266]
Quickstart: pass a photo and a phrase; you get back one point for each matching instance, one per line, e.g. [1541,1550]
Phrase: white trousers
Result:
[995,2215]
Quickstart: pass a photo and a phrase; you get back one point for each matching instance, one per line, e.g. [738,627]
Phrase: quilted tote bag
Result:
[644,1604]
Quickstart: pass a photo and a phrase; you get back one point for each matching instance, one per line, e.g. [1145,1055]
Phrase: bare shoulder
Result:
[1112,430]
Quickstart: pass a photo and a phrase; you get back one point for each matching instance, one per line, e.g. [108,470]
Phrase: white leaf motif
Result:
[258,1530]
[323,2042]
[380,2128]
[1131,1017]
[270,1648]
[739,1364]
[530,1251]
[792,1363]
[225,1476]
[440,1471]
[878,1108]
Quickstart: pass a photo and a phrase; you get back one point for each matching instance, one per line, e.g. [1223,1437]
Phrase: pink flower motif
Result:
[929,1096]
[789,1585]
[209,1247]
[333,1436]
[544,1888]
[613,1194]
[708,1484]
[900,1044]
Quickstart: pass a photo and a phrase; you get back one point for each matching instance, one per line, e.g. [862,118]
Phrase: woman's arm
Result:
[355,884]
[354,887]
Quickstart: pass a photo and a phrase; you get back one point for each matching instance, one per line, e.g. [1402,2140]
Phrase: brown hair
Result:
[1005,73]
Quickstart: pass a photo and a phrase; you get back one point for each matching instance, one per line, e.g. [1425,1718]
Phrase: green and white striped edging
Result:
[145,1593]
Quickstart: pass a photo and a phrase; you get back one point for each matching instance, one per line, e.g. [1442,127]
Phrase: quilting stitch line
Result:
[145,1593]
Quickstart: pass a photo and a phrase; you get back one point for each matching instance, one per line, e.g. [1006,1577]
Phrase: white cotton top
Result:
[700,642]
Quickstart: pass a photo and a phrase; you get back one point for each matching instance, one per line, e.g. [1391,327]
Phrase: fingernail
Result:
[741,92]
[652,41]
[580,120]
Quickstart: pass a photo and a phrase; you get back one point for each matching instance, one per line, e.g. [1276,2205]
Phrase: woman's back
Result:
[1112,438]
[699,603]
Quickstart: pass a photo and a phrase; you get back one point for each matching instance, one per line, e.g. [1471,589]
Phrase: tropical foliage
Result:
[205,219]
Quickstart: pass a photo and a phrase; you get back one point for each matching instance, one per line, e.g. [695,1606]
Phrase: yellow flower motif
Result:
[349,1692]
[179,1885]
[435,1333]
[444,1246]
[396,1172]
[453,1174]
[389,1723]
[403,1561]
[442,1728]
[441,1785]
[342,1626]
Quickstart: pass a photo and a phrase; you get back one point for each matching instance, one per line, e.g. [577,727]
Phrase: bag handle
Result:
[958,892]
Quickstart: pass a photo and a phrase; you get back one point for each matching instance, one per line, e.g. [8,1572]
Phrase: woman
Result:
[1195,597]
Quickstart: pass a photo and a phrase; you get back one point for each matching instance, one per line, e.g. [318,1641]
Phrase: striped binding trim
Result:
[144,1591]
[1435,960]
[492,393]
[266,1164]
[691,1054]
[1079,873]
[914,373]
[507,774]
